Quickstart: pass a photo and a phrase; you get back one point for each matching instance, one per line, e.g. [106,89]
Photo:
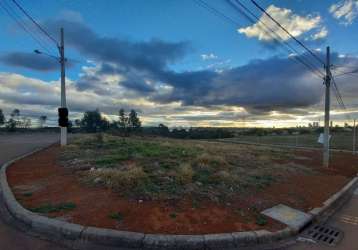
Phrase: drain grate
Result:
[321,233]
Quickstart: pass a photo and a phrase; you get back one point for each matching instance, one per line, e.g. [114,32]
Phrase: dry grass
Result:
[158,168]
[118,180]
[185,173]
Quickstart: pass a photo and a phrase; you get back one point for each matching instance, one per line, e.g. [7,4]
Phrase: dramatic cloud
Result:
[261,85]
[295,24]
[151,56]
[30,60]
[345,11]
[142,69]
[139,75]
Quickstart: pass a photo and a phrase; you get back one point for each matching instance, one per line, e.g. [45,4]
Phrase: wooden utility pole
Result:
[327,82]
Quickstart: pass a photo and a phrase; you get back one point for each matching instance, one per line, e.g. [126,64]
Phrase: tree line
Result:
[16,120]
[93,121]
[191,133]
[126,124]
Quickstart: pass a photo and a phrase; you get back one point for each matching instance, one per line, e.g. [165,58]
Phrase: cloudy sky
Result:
[181,63]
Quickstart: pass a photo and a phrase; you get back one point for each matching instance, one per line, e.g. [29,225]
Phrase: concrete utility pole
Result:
[327,82]
[63,86]
[354,136]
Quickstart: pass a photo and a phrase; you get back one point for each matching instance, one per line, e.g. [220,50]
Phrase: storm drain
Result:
[325,234]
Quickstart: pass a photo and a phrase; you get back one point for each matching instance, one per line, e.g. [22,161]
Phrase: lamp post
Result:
[63,112]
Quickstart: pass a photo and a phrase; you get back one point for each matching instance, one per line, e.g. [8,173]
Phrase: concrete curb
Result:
[56,229]
[335,199]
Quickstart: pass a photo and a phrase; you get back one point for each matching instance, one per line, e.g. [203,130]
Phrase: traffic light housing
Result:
[63,117]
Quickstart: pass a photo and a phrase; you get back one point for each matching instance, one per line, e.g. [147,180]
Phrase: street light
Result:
[46,54]
[63,111]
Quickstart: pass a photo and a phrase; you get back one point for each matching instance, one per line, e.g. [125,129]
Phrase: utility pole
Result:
[354,136]
[63,87]
[327,82]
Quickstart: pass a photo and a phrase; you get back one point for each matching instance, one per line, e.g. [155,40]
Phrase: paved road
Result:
[10,147]
[346,220]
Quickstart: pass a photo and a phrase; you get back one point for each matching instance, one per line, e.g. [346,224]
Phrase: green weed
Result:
[116,216]
[261,220]
[51,208]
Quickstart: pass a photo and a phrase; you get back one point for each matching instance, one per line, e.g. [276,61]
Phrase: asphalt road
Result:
[11,146]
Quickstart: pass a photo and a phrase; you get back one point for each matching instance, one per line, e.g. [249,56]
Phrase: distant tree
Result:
[42,120]
[105,124]
[163,130]
[78,123]
[2,118]
[13,122]
[11,125]
[134,122]
[92,121]
[123,121]
[26,122]
[15,114]
[179,133]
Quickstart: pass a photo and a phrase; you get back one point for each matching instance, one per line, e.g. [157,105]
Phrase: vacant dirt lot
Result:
[157,185]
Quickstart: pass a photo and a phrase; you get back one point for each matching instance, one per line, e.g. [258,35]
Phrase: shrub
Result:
[127,179]
[206,160]
[185,173]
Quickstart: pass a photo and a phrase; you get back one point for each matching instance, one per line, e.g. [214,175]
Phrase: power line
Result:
[36,23]
[339,97]
[345,66]
[13,15]
[348,73]
[282,41]
[283,28]
[242,12]
[32,29]
[279,41]
[216,12]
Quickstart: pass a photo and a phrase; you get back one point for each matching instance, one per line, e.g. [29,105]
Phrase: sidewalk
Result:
[346,219]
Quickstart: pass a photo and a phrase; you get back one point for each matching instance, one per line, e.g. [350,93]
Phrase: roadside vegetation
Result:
[52,208]
[151,168]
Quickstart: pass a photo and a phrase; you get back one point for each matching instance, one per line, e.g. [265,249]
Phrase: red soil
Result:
[50,183]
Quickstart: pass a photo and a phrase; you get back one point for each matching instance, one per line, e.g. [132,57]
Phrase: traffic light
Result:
[63,117]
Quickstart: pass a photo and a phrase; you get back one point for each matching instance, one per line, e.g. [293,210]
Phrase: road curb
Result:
[56,229]
[335,200]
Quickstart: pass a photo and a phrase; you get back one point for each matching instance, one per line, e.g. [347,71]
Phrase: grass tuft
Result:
[52,208]
[261,220]
[118,216]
